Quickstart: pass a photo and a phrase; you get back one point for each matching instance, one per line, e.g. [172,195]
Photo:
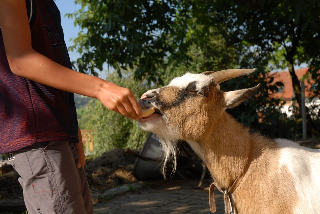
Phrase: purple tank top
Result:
[31,112]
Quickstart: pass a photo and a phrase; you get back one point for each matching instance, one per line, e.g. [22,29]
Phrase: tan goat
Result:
[257,175]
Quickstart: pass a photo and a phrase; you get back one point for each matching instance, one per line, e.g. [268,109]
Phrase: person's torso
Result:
[31,112]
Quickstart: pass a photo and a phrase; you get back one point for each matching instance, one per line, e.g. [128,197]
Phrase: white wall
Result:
[313,104]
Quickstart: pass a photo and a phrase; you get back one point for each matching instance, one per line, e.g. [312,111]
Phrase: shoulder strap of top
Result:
[32,11]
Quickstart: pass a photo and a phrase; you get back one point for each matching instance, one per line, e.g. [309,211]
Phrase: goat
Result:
[255,173]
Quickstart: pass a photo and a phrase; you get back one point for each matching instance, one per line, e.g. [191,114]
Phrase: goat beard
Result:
[169,147]
[170,155]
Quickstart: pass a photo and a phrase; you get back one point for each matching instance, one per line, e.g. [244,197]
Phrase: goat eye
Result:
[200,93]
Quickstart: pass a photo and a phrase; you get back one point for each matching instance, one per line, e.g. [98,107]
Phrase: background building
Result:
[286,92]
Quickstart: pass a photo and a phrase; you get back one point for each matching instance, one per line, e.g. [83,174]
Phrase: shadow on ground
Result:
[171,196]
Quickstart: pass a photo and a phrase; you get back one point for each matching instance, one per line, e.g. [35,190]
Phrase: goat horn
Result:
[224,75]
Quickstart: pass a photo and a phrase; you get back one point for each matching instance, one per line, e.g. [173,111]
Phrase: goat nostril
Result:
[143,96]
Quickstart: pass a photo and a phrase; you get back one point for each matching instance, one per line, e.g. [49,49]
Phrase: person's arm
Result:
[24,61]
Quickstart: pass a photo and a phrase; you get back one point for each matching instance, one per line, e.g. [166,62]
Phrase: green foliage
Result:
[109,129]
[83,117]
[147,35]
[288,30]
[124,34]
[143,35]
[80,101]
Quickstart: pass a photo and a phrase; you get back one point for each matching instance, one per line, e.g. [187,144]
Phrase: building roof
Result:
[287,91]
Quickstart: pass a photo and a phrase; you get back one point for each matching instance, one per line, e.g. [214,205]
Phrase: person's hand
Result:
[80,151]
[120,100]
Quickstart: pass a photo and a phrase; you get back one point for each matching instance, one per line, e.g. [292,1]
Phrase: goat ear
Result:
[234,98]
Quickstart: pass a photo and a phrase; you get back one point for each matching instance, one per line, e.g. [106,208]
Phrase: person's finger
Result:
[122,110]
[136,106]
[115,106]
[130,109]
[127,100]
[82,159]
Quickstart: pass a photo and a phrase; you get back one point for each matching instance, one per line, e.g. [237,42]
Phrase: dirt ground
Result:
[111,169]
[10,187]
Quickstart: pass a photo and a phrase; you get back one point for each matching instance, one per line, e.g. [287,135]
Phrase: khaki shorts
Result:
[50,180]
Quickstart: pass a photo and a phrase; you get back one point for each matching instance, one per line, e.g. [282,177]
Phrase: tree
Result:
[288,27]
[142,35]
[125,33]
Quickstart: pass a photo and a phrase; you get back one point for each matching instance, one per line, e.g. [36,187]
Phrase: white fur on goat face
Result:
[184,106]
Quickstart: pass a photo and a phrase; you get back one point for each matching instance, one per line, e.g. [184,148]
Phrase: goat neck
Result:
[227,154]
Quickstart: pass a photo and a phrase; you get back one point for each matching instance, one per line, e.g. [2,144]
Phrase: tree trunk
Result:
[296,88]
[291,52]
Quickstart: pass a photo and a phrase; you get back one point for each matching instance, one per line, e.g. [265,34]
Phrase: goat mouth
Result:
[157,113]
[144,105]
